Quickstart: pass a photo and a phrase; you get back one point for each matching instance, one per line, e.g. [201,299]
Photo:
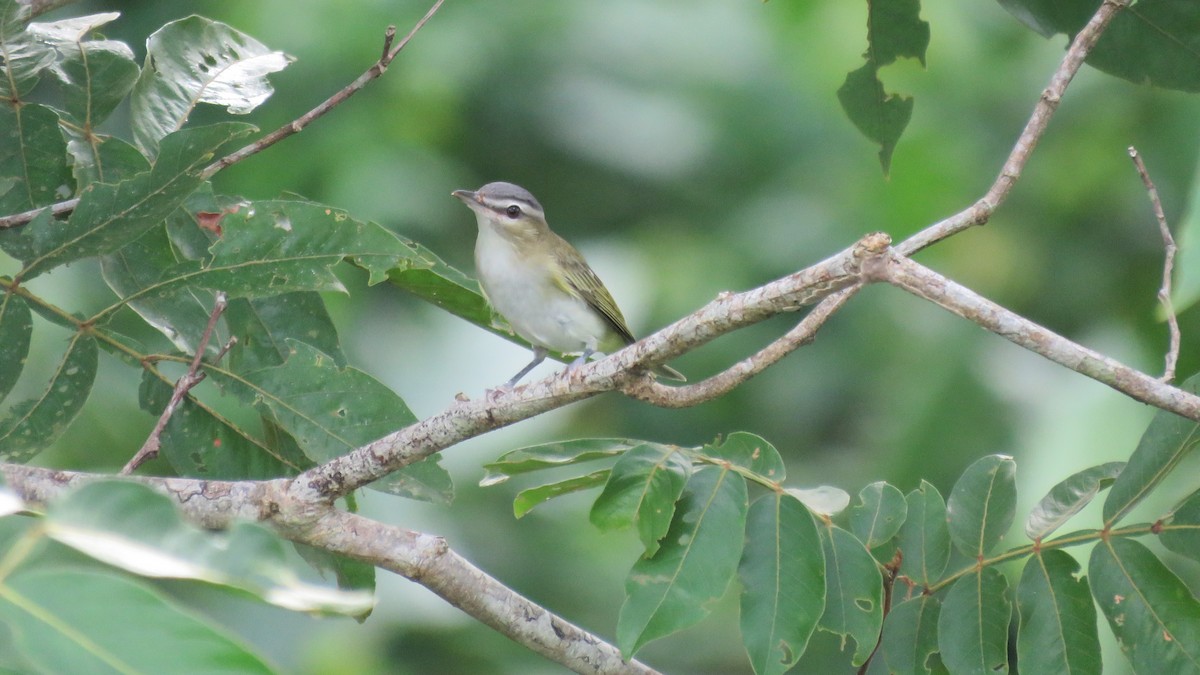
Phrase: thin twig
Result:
[651,391]
[190,379]
[293,127]
[297,125]
[981,211]
[1164,292]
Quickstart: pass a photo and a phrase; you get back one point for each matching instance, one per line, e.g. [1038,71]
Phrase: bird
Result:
[540,283]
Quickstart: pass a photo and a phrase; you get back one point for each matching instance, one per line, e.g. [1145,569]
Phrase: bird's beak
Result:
[466,196]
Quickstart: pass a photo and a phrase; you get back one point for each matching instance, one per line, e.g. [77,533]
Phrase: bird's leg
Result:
[539,355]
[578,363]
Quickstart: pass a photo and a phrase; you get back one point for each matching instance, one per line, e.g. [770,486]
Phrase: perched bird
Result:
[540,283]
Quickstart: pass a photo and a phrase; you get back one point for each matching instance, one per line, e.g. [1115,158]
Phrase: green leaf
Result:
[699,556]
[1152,42]
[880,116]
[96,158]
[31,425]
[973,624]
[33,155]
[197,60]
[1058,619]
[783,582]
[853,592]
[263,327]
[428,277]
[110,216]
[750,451]
[1150,610]
[982,505]
[879,515]
[642,490]
[330,410]
[529,498]
[1181,529]
[75,621]
[133,527]
[1069,497]
[274,247]
[910,636]
[924,537]
[549,455]
[1167,440]
[16,329]
[181,317]
[95,74]
[199,442]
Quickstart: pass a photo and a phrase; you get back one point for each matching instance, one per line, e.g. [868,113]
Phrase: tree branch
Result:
[981,211]
[1164,291]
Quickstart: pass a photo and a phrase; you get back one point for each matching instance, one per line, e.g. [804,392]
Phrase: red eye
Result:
[513,211]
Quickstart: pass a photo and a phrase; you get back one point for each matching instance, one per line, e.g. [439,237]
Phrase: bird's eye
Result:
[513,211]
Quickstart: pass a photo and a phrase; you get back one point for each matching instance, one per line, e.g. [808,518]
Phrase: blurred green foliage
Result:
[687,149]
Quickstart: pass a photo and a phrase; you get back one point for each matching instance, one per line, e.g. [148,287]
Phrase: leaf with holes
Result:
[641,490]
[924,537]
[853,592]
[783,582]
[197,60]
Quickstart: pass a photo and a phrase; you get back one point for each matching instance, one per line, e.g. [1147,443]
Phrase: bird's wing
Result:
[579,280]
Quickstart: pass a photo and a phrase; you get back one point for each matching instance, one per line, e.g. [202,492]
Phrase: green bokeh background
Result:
[689,148]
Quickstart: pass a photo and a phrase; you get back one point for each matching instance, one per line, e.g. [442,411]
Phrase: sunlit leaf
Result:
[1058,619]
[826,500]
[131,526]
[1150,610]
[1167,440]
[197,60]
[1069,497]
[879,514]
[527,499]
[973,624]
[699,556]
[783,582]
[924,538]
[95,74]
[548,455]
[853,592]
[31,425]
[982,505]
[642,490]
[65,620]
[24,57]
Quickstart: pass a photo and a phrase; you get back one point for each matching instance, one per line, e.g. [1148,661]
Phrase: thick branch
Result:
[467,419]
[429,561]
[926,283]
